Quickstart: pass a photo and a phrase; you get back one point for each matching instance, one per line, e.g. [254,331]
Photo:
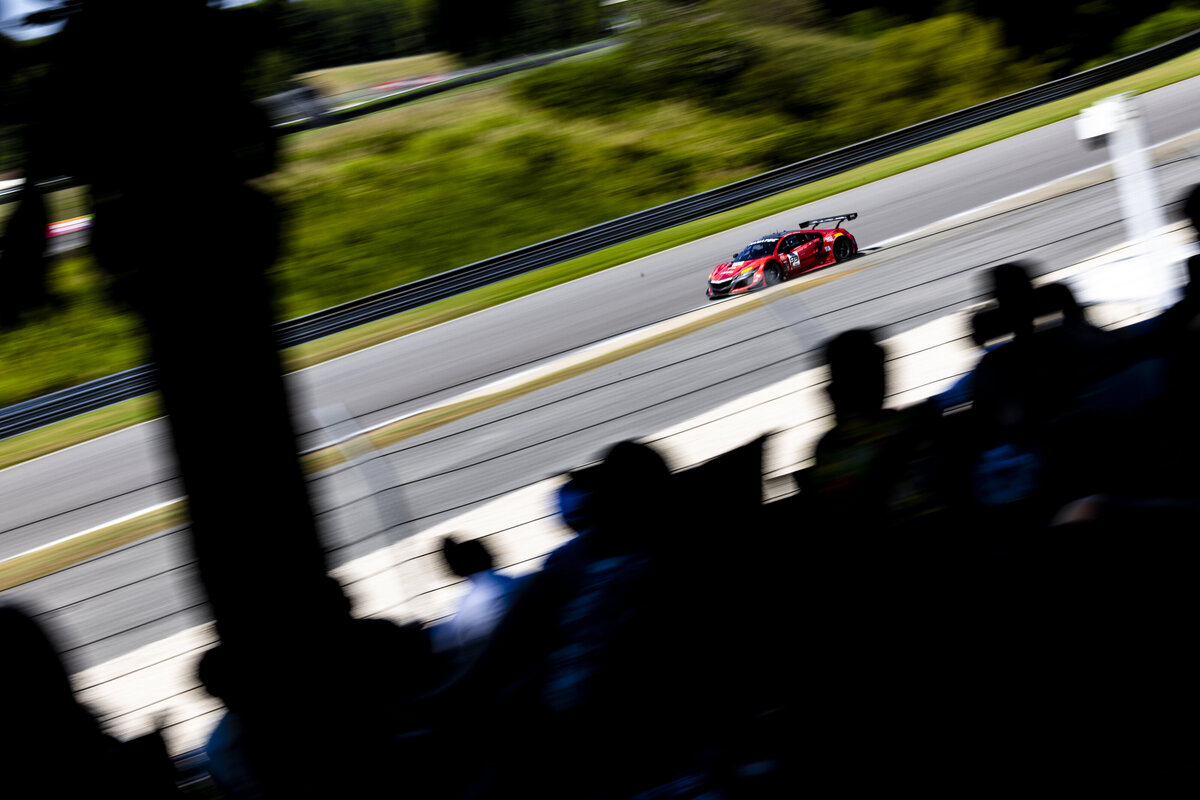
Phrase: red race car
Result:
[784,255]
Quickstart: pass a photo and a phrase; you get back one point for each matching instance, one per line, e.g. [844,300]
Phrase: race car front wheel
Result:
[842,248]
[771,275]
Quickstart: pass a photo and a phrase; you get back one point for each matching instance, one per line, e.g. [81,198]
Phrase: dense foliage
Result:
[1066,33]
[330,33]
[1164,26]
[700,45]
[482,30]
[816,89]
[21,65]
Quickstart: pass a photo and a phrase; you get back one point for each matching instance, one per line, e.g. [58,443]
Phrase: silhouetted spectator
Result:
[485,602]
[1149,338]
[53,746]
[576,508]
[983,324]
[229,763]
[574,500]
[1057,298]
[569,698]
[1134,429]
[1093,349]
[1019,388]
[1134,432]
[1015,299]
[860,461]
[727,640]
[615,675]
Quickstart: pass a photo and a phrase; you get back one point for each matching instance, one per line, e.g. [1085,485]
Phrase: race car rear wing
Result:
[838,220]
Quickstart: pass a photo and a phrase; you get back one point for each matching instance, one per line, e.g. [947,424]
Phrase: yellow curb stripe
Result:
[68,552]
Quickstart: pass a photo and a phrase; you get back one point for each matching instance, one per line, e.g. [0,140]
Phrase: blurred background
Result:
[688,97]
[584,111]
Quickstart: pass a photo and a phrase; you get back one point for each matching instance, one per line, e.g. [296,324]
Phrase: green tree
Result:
[483,30]
[692,52]
[1162,27]
[330,33]
[924,70]
[800,14]
[23,68]
[1065,31]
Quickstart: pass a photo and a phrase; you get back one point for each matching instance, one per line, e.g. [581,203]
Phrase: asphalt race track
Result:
[146,591]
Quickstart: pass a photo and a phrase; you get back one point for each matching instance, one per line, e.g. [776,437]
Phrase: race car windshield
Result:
[757,250]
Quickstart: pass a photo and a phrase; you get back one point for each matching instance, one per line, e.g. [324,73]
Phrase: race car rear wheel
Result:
[842,249]
[771,275]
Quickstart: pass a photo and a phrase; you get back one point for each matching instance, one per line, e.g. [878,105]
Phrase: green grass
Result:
[82,428]
[370,255]
[59,555]
[86,338]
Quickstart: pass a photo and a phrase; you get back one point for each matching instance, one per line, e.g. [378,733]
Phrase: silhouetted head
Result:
[574,503]
[980,329]
[468,557]
[1058,298]
[35,689]
[633,498]
[213,672]
[1191,206]
[857,380]
[1013,291]
[1193,269]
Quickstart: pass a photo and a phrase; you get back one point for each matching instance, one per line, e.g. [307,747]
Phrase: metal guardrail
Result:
[66,403]
[37,412]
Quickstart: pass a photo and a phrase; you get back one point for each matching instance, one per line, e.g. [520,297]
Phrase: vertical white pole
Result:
[1149,274]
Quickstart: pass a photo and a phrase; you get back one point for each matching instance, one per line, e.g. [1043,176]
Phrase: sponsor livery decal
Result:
[69,225]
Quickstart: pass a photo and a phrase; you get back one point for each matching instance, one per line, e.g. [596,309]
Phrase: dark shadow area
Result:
[978,594]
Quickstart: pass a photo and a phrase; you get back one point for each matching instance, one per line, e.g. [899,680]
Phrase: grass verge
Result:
[48,560]
[77,430]
[340,80]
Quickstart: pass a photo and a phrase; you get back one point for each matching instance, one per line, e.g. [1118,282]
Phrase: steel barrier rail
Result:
[37,412]
[65,403]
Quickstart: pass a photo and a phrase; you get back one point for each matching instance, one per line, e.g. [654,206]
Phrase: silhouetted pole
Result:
[145,107]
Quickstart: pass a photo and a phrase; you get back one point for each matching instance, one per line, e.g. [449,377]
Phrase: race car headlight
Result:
[745,277]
